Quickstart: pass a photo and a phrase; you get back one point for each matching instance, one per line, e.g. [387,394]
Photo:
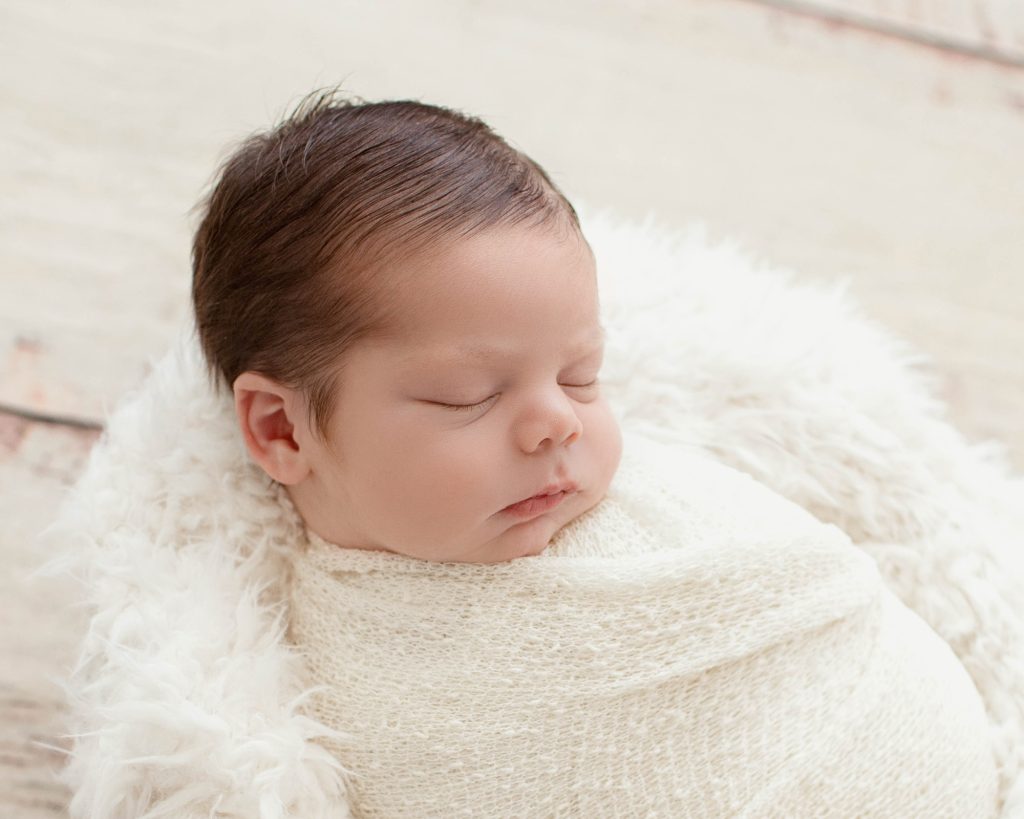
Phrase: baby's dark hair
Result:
[289,261]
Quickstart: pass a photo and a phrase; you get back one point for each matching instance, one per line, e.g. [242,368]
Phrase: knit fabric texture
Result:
[695,645]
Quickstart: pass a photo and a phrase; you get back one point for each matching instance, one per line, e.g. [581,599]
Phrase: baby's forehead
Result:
[490,301]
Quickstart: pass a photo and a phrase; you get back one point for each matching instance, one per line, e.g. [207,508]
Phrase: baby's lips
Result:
[552,488]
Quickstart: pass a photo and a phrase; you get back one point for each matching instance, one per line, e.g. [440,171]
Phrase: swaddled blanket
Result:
[694,645]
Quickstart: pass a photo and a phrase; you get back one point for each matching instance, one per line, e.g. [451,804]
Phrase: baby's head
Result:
[406,311]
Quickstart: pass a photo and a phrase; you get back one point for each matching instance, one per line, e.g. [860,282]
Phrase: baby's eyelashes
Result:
[467,407]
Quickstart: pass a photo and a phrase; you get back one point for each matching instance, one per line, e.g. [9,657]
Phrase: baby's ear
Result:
[268,413]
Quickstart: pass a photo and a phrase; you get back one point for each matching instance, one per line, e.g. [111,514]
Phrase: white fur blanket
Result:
[187,699]
[694,645]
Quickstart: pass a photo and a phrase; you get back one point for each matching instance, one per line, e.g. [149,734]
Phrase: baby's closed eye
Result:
[478,404]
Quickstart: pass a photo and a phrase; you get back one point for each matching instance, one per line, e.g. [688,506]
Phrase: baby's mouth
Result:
[537,505]
[554,488]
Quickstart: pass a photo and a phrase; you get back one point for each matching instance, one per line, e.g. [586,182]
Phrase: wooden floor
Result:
[826,148]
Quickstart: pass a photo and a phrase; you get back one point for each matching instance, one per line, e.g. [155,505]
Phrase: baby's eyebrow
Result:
[488,351]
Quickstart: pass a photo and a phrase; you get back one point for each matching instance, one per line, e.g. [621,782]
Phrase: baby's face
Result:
[504,329]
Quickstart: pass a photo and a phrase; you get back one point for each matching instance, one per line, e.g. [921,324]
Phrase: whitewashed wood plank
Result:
[995,27]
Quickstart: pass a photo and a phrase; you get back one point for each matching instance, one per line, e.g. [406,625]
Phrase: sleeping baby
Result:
[509,605]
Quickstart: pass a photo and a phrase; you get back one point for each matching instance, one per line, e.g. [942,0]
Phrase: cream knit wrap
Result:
[693,646]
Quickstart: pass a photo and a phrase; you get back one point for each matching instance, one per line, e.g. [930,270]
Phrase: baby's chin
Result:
[526,539]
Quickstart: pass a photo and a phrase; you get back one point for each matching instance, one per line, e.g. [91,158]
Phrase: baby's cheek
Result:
[608,443]
[450,476]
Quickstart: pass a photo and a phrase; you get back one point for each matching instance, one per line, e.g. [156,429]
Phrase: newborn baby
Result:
[501,620]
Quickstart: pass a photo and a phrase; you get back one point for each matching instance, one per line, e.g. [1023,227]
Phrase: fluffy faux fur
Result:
[186,700]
